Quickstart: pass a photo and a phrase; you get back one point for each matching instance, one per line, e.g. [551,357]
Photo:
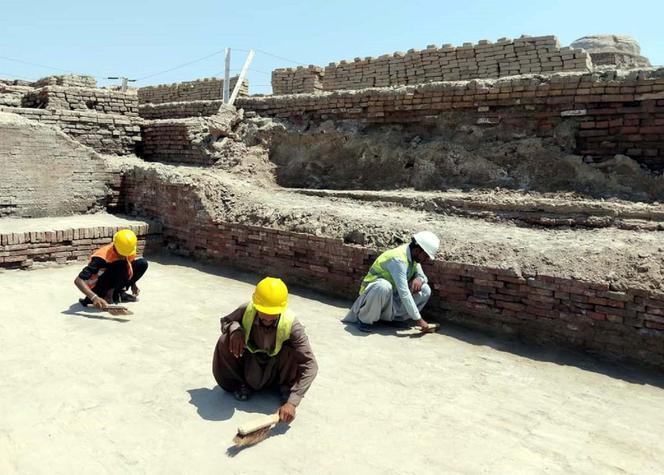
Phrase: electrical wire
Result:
[34,64]
[180,65]
[273,55]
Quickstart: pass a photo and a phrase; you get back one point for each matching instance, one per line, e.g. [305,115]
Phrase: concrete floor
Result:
[84,392]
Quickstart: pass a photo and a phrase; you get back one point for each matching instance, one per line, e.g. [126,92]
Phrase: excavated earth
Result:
[444,155]
[602,222]
[586,242]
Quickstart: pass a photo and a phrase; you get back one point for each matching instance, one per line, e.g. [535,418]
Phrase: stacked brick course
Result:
[616,114]
[105,133]
[78,98]
[506,57]
[62,244]
[180,110]
[11,95]
[46,173]
[175,140]
[296,80]
[580,314]
[67,80]
[198,90]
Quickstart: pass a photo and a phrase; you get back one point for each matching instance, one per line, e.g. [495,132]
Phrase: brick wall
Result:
[46,173]
[11,95]
[506,57]
[613,113]
[105,133]
[84,99]
[23,249]
[176,140]
[198,90]
[584,315]
[297,80]
[67,80]
[179,110]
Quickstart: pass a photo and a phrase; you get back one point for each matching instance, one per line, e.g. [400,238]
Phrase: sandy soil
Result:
[87,393]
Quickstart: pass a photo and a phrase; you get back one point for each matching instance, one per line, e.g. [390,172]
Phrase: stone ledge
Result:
[23,242]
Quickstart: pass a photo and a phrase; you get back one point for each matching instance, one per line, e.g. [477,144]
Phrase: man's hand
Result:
[135,290]
[99,303]
[287,413]
[237,343]
[416,285]
[425,327]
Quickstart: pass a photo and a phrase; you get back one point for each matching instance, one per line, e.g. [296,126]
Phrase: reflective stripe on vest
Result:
[109,255]
[284,326]
[378,272]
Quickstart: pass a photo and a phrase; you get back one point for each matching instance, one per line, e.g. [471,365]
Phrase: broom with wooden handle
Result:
[255,431]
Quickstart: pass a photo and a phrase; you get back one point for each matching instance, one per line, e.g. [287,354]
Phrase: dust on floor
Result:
[86,393]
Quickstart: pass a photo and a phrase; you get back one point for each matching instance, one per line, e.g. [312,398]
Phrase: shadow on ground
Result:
[625,371]
[219,405]
[558,355]
[78,310]
[395,329]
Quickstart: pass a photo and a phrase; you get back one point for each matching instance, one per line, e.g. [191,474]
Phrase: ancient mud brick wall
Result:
[175,140]
[23,249]
[67,80]
[78,98]
[506,57]
[611,113]
[199,90]
[11,95]
[180,110]
[579,314]
[618,59]
[45,173]
[105,133]
[297,80]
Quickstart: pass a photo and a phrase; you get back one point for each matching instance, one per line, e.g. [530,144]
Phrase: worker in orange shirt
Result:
[111,271]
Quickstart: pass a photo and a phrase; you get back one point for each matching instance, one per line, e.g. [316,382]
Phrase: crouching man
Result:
[262,345]
[396,289]
[111,271]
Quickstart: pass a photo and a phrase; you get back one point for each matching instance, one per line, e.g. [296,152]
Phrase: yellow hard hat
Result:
[125,242]
[270,296]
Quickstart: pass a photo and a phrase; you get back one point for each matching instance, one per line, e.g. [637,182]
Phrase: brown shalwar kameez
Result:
[292,370]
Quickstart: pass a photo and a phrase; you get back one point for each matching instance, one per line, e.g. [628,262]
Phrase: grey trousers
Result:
[380,302]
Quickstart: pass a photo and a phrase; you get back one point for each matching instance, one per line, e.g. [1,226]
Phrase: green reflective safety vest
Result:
[378,272]
[283,329]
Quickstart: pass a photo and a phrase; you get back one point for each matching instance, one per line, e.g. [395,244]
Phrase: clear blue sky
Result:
[142,37]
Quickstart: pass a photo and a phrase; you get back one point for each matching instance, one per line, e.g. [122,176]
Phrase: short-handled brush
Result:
[118,310]
[255,431]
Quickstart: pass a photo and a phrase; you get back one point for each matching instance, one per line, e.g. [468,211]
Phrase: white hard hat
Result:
[428,241]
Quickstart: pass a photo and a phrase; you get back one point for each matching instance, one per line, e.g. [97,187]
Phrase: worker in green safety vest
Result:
[263,345]
[396,289]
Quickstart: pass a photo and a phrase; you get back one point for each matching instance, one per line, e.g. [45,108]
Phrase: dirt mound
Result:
[355,156]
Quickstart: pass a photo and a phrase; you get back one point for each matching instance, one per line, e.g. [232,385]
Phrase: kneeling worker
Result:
[111,271]
[396,289]
[263,345]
